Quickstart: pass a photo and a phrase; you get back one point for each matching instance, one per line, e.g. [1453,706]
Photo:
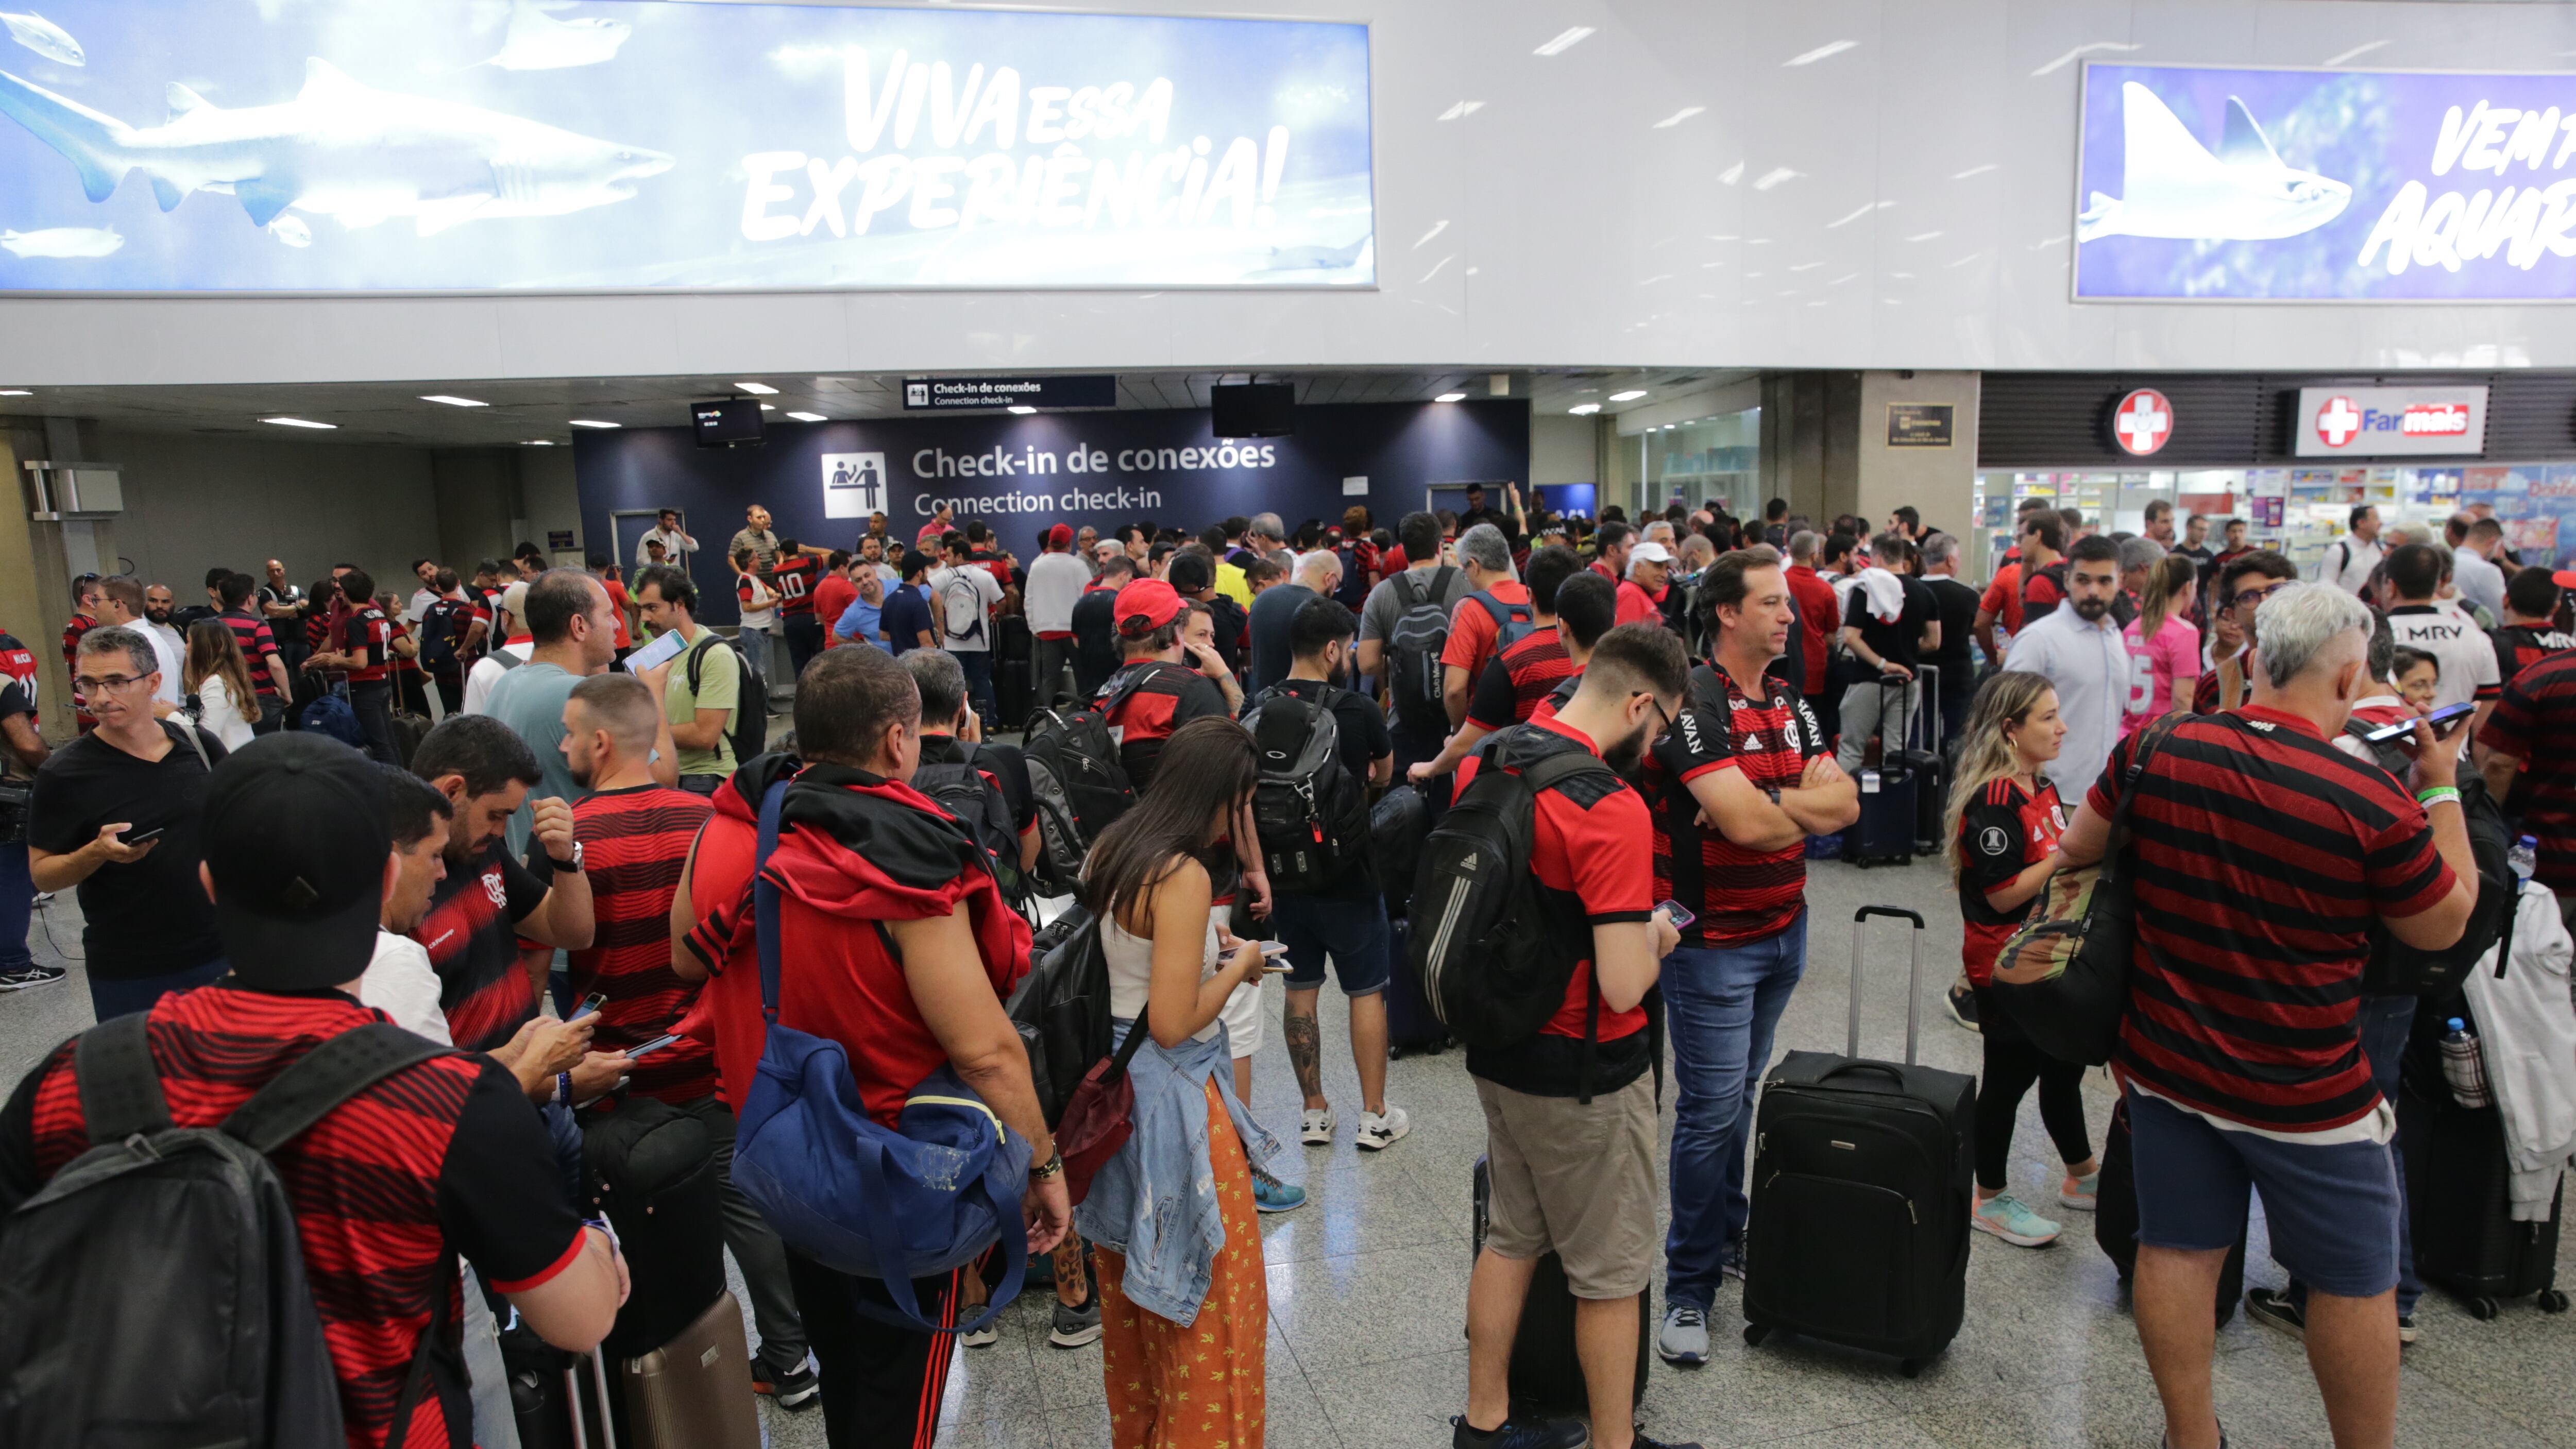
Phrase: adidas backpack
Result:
[1311,816]
[1492,959]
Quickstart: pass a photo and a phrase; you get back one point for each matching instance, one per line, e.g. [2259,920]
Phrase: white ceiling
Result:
[522,411]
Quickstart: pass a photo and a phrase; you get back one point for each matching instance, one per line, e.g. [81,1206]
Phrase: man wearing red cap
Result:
[1056,581]
[1157,690]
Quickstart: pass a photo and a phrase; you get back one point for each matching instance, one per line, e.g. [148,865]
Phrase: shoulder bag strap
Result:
[2150,740]
[120,1088]
[1127,1049]
[325,1077]
[1439,586]
[416,1382]
[764,901]
[1562,766]
[186,732]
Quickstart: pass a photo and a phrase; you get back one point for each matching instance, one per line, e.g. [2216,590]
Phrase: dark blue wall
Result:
[1401,449]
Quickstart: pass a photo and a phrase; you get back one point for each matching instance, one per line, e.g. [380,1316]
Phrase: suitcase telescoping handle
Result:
[1913,975]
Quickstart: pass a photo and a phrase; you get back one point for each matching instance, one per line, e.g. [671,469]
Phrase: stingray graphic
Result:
[2177,188]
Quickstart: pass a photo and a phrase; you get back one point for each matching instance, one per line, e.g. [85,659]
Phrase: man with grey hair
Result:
[2138,558]
[1274,613]
[1495,614]
[2241,1058]
[1268,537]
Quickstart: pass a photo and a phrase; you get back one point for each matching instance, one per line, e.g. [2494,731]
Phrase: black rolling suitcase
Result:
[1546,1377]
[2457,1174]
[2115,1218]
[1924,759]
[1862,1172]
[652,1172]
[1889,796]
[1015,692]
[1410,1026]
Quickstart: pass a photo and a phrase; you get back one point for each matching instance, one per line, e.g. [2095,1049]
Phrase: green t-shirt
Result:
[530,700]
[719,687]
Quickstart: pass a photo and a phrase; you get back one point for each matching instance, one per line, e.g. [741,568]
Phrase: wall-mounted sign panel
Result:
[2241,185]
[624,145]
[952,394]
[2384,422]
[1921,425]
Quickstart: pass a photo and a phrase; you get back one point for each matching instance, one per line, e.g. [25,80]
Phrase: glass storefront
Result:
[1691,462]
[2295,510]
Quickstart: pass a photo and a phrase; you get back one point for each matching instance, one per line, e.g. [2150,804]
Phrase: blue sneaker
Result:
[1273,1196]
[2008,1218]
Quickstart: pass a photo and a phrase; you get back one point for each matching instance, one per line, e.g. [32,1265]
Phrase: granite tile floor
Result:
[1368,1280]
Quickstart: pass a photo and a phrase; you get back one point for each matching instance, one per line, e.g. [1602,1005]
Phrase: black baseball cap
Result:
[296,830]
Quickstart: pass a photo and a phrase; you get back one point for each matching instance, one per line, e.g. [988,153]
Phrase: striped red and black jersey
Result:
[443,627]
[2003,832]
[2519,646]
[257,643]
[369,635]
[1515,680]
[483,990]
[18,666]
[438,1159]
[2263,856]
[634,843]
[72,632]
[2535,722]
[1739,895]
[793,580]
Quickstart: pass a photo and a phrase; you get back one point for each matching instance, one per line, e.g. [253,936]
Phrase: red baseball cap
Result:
[1145,606]
[1060,536]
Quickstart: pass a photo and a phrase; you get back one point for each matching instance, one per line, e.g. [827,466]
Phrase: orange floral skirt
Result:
[1198,1387]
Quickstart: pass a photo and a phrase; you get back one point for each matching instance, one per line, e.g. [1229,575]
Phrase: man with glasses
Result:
[115,814]
[2244,582]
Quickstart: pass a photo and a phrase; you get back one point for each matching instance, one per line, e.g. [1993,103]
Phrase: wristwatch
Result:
[573,864]
[1773,791]
[1052,1167]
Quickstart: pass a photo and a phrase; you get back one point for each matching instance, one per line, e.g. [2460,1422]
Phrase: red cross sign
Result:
[2338,422]
[2142,422]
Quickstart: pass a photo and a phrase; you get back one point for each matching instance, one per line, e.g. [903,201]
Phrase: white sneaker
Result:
[1316,1129]
[1376,1131]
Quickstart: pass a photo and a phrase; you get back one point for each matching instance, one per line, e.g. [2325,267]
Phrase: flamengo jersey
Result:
[368,634]
[794,580]
[2003,832]
[1739,895]
[18,663]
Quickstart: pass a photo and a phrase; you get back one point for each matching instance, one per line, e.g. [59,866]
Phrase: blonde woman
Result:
[2004,823]
[218,675]
[2164,647]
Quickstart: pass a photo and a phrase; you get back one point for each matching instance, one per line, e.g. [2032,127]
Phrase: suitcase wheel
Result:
[2553,1301]
[1910,1367]
[1754,1333]
[2483,1308]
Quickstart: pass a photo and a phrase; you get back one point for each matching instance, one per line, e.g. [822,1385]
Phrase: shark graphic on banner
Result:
[2176,187]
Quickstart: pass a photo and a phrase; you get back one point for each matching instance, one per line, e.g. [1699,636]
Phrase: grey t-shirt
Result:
[530,700]
[1379,614]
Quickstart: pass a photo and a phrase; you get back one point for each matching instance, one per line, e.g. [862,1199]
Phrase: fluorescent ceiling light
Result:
[15,392]
[1631,395]
[773,407]
[756,389]
[809,417]
[1584,410]
[1830,47]
[454,402]
[593,423]
[1451,397]
[538,443]
[1566,40]
[1023,409]
[297,423]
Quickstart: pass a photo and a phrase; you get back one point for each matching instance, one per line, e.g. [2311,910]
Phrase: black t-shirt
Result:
[1360,732]
[472,947]
[186,616]
[149,918]
[1957,605]
[1895,641]
[1272,616]
[1095,639]
[1229,619]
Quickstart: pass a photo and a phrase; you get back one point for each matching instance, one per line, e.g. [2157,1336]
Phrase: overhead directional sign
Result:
[954,394]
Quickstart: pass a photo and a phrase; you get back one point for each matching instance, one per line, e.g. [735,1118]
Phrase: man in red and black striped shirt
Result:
[438,1158]
[635,836]
[1744,754]
[2530,741]
[2263,858]
[1572,607]
[87,600]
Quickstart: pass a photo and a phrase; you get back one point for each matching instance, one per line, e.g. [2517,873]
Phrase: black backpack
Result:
[750,732]
[1061,1008]
[1421,631]
[438,635]
[965,791]
[2397,969]
[153,1292]
[1492,958]
[2056,574]
[1353,591]
[1312,817]
[1079,783]
[1512,622]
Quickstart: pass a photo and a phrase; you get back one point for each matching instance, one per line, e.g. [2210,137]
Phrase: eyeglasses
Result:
[114,682]
[2257,596]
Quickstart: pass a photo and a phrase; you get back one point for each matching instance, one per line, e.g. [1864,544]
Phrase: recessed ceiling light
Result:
[809,417]
[769,407]
[594,423]
[1451,397]
[1023,409]
[454,402]
[1631,395]
[538,443]
[297,423]
[757,389]
[15,392]
[1584,410]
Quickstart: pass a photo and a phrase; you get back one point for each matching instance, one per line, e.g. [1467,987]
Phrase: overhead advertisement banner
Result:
[2387,422]
[317,146]
[2237,185]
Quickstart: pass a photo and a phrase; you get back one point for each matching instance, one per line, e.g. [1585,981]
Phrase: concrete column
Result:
[35,588]
[1940,483]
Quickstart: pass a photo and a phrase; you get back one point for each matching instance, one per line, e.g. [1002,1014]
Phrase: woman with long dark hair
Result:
[1183,1299]
[2004,823]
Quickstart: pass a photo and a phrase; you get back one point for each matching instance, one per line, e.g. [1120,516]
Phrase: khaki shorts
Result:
[1576,1181]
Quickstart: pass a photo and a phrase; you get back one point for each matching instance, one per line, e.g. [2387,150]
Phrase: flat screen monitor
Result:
[728,422]
[1254,409]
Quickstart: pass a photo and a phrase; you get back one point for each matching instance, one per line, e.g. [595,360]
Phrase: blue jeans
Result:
[2385,1023]
[17,907]
[1720,1007]
[978,664]
[124,998]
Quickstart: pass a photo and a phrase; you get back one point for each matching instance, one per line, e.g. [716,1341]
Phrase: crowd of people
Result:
[547,808]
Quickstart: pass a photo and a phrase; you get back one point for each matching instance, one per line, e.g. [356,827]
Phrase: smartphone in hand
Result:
[1673,912]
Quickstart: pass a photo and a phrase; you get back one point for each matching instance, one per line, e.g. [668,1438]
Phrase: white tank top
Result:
[1131,970]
